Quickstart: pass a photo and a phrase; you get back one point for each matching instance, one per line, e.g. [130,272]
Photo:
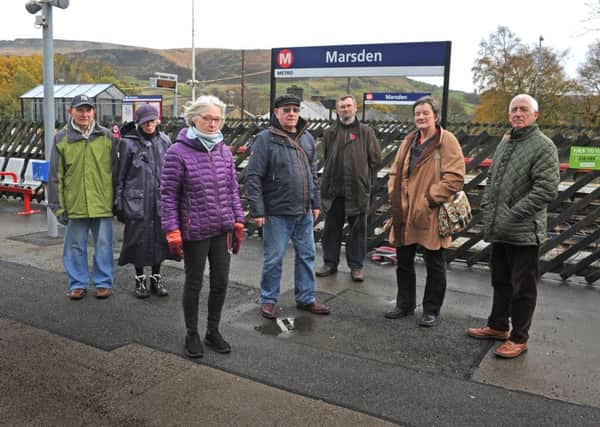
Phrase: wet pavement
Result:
[119,361]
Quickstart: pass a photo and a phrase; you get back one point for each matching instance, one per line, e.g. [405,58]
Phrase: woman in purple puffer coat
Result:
[201,211]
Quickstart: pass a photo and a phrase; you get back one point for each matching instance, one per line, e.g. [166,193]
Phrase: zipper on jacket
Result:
[216,187]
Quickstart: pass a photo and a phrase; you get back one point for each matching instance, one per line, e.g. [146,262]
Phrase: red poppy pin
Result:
[352,137]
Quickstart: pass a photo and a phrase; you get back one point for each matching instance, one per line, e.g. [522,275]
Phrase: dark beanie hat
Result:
[287,100]
[145,113]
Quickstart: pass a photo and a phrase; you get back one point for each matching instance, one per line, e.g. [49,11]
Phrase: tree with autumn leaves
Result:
[506,67]
[18,74]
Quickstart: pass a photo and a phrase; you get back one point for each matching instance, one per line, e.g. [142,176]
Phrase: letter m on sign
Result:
[285,58]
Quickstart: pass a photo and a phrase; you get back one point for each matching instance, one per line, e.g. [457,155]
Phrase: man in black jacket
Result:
[351,159]
[283,195]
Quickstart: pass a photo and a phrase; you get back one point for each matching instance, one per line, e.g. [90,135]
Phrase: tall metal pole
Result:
[243,84]
[48,105]
[175,100]
[538,69]
[193,55]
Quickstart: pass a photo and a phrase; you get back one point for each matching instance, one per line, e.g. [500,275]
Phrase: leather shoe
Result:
[510,349]
[398,313]
[357,275]
[315,308]
[326,270]
[487,333]
[268,311]
[428,320]
[77,293]
[103,293]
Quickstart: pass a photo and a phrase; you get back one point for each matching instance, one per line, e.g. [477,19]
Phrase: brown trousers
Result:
[515,276]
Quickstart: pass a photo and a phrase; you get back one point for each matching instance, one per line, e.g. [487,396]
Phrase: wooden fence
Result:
[573,245]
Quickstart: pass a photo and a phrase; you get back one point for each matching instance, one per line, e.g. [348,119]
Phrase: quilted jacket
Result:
[199,190]
[522,181]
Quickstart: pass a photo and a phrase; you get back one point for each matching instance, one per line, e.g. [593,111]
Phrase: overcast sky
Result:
[244,24]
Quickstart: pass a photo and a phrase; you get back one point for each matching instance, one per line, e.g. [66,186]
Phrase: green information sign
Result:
[585,158]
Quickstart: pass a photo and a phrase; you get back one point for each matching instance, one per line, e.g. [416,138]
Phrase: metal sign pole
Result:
[48,53]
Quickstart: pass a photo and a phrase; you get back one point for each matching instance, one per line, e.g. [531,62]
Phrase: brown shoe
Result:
[76,294]
[315,308]
[326,270]
[487,333]
[103,293]
[268,311]
[357,275]
[510,349]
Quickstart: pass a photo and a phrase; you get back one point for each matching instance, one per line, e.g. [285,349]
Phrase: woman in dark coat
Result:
[137,199]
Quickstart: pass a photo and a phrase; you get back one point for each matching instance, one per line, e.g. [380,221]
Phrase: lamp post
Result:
[44,20]
[193,82]
[538,68]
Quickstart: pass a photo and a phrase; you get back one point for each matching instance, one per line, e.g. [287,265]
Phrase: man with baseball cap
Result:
[80,193]
[282,188]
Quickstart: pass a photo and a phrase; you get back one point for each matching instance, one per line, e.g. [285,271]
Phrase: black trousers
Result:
[331,240]
[435,284]
[195,254]
[515,276]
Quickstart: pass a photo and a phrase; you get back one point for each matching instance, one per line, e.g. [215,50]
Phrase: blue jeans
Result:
[277,231]
[75,257]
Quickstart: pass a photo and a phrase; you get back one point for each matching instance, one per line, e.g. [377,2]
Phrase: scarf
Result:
[208,140]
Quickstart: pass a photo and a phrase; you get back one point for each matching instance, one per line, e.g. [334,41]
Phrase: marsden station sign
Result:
[397,59]
[423,59]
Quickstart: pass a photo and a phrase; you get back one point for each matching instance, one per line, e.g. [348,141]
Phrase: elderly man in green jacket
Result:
[80,193]
[522,181]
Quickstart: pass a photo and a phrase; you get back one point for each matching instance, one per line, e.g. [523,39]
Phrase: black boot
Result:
[141,287]
[397,313]
[214,340]
[193,345]
[157,287]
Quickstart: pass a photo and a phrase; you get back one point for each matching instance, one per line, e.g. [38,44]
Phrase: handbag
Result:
[454,216]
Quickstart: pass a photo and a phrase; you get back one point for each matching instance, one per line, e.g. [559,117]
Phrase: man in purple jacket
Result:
[283,193]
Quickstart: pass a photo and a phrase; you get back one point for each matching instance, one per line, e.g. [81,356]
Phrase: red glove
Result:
[175,244]
[238,236]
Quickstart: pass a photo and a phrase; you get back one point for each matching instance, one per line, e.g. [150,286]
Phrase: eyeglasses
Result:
[288,110]
[212,119]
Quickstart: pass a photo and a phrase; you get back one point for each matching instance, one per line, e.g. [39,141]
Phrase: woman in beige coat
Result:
[416,195]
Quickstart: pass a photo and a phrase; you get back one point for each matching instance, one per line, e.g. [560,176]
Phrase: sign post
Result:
[166,81]
[425,59]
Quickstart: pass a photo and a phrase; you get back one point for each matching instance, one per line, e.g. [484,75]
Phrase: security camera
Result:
[33,7]
[41,21]
[61,4]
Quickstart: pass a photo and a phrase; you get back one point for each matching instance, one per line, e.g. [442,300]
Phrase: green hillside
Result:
[219,72]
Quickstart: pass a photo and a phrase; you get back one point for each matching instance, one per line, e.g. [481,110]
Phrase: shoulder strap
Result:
[437,158]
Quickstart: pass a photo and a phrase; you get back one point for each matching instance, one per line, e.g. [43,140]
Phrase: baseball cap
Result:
[81,100]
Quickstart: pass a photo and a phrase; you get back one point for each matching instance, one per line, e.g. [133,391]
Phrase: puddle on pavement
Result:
[285,326]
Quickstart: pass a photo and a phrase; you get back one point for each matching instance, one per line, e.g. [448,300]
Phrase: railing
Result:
[572,248]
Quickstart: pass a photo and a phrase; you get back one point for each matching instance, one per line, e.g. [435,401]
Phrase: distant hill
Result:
[219,72]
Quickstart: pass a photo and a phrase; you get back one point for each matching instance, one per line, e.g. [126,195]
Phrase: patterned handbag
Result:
[453,216]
